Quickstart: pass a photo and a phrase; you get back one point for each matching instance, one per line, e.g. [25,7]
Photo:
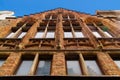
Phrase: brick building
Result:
[60,42]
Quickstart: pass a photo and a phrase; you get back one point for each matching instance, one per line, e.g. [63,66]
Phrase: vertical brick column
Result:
[58,65]
[30,34]
[86,30]
[10,65]
[107,65]
[59,33]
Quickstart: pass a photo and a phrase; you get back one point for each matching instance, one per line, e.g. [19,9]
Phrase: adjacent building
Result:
[4,14]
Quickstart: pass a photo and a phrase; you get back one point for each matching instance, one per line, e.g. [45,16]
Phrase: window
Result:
[2,59]
[73,65]
[50,35]
[116,59]
[96,34]
[73,68]
[68,35]
[43,67]
[11,34]
[107,34]
[93,68]
[22,35]
[79,34]
[24,67]
[117,62]
[39,35]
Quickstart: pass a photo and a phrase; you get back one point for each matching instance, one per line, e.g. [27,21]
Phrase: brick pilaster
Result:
[107,65]
[59,33]
[10,65]
[58,65]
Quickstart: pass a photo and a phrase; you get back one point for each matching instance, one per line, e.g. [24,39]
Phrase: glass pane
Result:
[79,34]
[96,34]
[1,62]
[39,35]
[93,68]
[117,63]
[24,68]
[22,34]
[11,34]
[73,68]
[68,35]
[107,34]
[44,67]
[50,35]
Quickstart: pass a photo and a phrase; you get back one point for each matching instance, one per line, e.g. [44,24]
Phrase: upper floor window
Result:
[68,35]
[22,35]
[96,34]
[79,34]
[50,35]
[108,34]
[39,35]
[10,35]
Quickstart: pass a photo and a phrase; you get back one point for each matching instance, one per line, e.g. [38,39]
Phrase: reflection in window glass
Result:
[11,34]
[68,35]
[22,35]
[39,35]
[1,62]
[117,63]
[50,35]
[96,34]
[44,67]
[73,68]
[93,68]
[107,34]
[79,34]
[24,68]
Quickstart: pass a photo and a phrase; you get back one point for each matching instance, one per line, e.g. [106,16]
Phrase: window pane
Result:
[1,62]
[44,67]
[50,35]
[68,35]
[39,35]
[96,34]
[73,68]
[117,63]
[11,34]
[24,68]
[93,68]
[22,34]
[107,34]
[79,34]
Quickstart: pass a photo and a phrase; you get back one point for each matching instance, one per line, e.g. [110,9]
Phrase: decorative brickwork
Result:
[42,36]
[58,65]
[11,64]
[59,33]
[107,64]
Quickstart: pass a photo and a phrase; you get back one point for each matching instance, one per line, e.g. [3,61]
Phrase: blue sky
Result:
[26,7]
